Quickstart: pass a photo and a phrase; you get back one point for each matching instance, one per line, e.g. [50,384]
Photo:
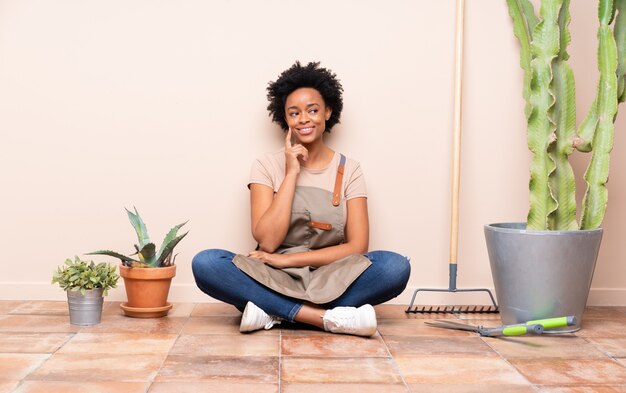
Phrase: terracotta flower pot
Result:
[147,290]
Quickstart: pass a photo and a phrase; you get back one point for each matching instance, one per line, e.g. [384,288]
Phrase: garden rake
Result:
[454,230]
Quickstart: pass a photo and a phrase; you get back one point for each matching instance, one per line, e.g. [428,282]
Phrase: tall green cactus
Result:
[549,92]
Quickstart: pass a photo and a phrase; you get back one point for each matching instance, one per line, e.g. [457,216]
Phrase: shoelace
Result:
[273,321]
[345,321]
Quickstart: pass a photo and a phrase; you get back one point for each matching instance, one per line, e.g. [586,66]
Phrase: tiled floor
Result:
[198,348]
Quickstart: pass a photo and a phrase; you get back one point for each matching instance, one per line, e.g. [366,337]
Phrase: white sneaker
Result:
[254,318]
[351,320]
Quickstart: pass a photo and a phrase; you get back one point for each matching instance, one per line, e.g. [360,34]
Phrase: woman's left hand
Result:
[275,260]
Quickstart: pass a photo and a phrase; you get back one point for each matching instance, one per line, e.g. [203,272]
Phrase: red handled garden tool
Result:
[531,327]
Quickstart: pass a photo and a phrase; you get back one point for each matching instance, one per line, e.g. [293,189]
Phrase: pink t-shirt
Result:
[270,171]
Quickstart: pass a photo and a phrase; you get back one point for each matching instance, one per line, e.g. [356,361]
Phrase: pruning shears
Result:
[531,327]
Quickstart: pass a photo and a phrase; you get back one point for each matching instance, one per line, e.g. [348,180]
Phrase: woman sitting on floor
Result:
[310,219]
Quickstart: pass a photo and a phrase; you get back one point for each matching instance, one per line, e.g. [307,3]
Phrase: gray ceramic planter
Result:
[541,274]
[85,309]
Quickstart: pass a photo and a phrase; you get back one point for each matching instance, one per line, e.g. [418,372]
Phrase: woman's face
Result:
[306,114]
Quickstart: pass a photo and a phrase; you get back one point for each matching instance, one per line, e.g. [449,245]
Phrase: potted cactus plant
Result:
[86,284]
[544,267]
[147,273]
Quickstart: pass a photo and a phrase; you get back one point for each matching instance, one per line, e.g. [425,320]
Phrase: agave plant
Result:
[146,255]
[551,113]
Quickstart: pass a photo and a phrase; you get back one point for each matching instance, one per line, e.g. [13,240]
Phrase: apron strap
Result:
[339,181]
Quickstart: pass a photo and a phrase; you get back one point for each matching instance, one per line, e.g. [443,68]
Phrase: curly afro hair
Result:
[297,76]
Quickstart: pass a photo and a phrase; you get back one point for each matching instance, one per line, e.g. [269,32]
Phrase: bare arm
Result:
[357,242]
[271,214]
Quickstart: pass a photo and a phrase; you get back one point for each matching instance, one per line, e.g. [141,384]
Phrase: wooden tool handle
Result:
[456,160]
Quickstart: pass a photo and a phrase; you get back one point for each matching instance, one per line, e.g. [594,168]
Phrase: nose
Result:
[303,118]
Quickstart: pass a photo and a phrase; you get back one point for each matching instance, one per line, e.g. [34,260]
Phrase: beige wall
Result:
[161,105]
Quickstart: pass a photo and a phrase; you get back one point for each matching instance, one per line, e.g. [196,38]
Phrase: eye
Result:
[293,114]
[313,111]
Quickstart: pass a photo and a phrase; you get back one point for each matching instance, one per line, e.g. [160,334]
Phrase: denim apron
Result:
[316,222]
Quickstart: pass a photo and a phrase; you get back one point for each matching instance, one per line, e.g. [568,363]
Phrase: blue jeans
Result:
[219,278]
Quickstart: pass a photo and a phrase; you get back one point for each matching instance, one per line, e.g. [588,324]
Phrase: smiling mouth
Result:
[305,131]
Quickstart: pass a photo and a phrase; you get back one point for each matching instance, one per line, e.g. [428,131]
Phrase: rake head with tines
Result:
[490,309]
[454,310]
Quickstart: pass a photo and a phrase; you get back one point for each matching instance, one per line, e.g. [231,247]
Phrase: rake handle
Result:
[456,156]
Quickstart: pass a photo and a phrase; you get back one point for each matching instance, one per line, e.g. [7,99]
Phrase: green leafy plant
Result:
[550,110]
[82,275]
[146,253]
